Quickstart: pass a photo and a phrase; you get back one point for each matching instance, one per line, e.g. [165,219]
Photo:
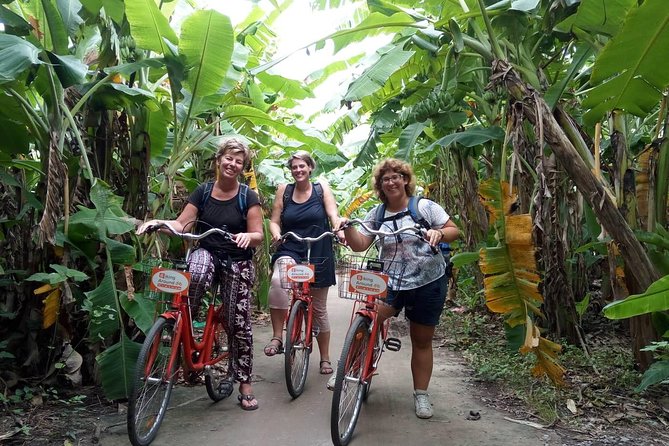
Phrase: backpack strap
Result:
[242,199]
[379,216]
[288,192]
[415,212]
[319,191]
[208,187]
[412,210]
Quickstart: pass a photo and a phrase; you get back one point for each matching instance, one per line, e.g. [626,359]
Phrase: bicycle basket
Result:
[161,279]
[292,275]
[363,277]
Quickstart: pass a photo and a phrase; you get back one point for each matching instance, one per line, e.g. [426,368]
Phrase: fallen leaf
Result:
[571,405]
[614,418]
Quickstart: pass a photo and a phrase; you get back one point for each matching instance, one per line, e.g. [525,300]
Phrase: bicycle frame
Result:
[367,280]
[303,293]
[192,348]
[299,318]
[171,345]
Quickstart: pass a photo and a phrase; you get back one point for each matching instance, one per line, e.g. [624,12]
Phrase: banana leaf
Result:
[511,282]
[632,71]
[149,27]
[656,298]
[117,367]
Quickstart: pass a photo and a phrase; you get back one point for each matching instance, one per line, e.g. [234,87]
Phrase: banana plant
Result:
[511,282]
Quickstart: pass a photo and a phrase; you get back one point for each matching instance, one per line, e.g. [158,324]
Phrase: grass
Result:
[468,326]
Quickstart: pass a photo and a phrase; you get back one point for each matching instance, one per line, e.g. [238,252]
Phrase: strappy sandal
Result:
[272,349]
[248,397]
[326,367]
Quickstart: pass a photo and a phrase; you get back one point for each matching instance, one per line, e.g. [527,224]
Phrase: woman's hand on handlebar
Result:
[243,239]
[433,236]
[149,226]
[343,224]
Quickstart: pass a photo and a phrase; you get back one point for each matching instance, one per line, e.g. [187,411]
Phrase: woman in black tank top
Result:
[308,209]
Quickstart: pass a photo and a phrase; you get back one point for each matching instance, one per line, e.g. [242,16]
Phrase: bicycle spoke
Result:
[153,383]
[349,387]
[296,351]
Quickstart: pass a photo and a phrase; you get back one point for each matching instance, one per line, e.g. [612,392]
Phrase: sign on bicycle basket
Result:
[368,283]
[169,280]
[300,273]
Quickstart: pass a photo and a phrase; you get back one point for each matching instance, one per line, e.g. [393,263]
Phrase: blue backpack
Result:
[241,198]
[412,210]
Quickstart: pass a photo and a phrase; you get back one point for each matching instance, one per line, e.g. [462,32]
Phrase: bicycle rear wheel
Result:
[296,350]
[217,378]
[349,389]
[153,382]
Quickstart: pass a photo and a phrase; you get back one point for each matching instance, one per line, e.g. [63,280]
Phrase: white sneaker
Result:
[422,403]
[331,382]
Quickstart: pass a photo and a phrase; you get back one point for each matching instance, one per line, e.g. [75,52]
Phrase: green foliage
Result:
[149,26]
[60,275]
[376,76]
[631,72]
[117,367]
[656,298]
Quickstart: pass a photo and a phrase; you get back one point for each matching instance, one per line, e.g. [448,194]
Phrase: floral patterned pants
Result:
[236,279]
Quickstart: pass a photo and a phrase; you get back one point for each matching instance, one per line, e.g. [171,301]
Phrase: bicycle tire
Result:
[349,389]
[217,378]
[296,354]
[377,356]
[150,394]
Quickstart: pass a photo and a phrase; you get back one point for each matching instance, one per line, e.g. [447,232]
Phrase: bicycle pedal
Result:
[393,344]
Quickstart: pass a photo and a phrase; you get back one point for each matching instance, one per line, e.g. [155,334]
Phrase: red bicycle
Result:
[366,279]
[173,344]
[300,332]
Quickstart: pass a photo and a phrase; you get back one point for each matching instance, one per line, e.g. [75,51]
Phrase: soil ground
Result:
[605,416]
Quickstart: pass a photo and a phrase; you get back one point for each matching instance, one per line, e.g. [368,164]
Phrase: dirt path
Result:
[387,418]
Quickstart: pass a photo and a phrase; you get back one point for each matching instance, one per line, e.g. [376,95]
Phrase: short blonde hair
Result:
[396,166]
[235,146]
[304,156]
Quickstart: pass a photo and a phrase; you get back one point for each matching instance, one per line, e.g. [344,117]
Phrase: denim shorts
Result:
[422,305]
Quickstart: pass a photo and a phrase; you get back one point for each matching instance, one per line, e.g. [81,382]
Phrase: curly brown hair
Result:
[396,166]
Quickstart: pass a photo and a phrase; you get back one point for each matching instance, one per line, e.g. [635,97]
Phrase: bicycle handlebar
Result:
[189,235]
[416,229]
[299,238]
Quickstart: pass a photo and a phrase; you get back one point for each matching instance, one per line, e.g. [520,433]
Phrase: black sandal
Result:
[248,397]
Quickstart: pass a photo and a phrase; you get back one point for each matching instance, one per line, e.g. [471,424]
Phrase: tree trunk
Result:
[538,112]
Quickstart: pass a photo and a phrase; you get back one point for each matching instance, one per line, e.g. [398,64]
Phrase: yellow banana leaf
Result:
[51,307]
[44,288]
[356,203]
[251,178]
[511,280]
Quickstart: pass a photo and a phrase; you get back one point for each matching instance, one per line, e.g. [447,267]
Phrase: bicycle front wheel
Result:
[349,387]
[297,351]
[217,377]
[153,382]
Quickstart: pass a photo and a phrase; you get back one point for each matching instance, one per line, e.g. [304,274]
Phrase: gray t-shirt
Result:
[421,265]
